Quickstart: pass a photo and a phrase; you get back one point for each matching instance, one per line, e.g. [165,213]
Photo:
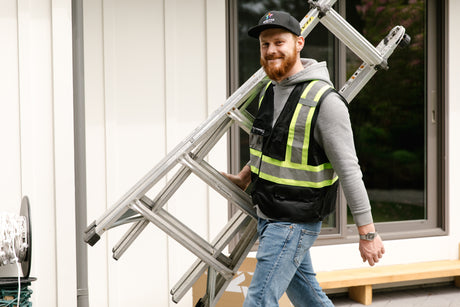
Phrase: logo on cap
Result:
[268,18]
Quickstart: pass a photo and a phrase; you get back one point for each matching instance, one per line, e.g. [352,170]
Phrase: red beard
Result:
[278,72]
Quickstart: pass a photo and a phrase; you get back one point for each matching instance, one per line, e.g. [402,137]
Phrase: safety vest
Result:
[292,177]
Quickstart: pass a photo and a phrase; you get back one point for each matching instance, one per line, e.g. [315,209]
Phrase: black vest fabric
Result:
[281,201]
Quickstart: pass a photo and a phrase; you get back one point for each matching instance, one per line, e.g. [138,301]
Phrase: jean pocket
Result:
[274,236]
[306,240]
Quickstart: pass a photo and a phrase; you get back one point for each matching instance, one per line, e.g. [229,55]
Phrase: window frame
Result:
[436,134]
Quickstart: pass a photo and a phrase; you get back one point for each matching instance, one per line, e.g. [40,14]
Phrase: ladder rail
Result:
[335,23]
[312,18]
[365,71]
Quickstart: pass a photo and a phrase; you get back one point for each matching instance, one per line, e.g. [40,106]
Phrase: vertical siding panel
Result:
[170,46]
[186,108]
[10,155]
[36,109]
[135,136]
[216,46]
[64,153]
[99,254]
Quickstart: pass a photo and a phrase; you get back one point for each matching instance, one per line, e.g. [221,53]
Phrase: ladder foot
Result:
[91,236]
[405,41]
[200,303]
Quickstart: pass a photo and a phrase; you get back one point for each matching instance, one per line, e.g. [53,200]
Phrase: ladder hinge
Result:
[322,8]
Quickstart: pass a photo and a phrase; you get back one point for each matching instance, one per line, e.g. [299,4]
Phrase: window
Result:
[398,118]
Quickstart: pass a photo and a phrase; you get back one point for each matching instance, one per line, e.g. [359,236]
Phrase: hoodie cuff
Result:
[362,219]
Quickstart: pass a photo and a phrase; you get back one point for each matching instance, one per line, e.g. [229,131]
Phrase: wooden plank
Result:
[361,294]
[388,274]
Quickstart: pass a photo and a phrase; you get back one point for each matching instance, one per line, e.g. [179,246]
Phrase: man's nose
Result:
[271,49]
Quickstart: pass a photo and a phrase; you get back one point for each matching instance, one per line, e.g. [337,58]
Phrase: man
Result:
[300,144]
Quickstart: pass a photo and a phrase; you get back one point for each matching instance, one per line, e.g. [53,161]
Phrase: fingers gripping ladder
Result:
[139,210]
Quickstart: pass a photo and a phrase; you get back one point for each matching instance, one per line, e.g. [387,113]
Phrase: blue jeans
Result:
[284,265]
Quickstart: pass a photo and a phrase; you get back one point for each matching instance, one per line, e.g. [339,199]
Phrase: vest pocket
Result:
[256,141]
[294,204]
[276,149]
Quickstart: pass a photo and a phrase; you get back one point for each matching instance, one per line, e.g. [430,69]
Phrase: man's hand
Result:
[371,251]
[243,179]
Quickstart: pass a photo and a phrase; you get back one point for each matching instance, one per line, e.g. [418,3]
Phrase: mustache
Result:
[273,57]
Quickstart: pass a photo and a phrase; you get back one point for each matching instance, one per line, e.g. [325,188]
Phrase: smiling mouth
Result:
[274,60]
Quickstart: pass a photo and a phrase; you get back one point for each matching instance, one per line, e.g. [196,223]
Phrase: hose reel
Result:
[16,238]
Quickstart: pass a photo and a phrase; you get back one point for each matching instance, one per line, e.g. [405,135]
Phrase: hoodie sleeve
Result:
[333,132]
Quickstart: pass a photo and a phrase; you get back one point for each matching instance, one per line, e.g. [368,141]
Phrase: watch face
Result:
[368,236]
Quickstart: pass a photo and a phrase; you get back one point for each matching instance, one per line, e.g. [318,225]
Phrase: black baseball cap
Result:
[275,19]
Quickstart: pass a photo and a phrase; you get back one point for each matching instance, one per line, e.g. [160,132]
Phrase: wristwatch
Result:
[368,236]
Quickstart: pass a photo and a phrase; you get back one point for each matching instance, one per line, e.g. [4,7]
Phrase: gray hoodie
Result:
[333,132]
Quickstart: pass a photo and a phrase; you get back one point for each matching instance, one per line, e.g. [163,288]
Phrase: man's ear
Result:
[300,43]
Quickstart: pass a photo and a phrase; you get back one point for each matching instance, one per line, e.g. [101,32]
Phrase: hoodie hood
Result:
[313,70]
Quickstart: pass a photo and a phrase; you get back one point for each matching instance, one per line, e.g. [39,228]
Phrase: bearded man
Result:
[301,144]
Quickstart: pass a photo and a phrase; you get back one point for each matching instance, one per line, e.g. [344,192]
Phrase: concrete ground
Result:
[428,296]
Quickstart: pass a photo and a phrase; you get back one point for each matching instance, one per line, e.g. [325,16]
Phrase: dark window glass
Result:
[389,116]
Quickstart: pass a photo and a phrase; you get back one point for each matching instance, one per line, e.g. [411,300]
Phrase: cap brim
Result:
[256,30]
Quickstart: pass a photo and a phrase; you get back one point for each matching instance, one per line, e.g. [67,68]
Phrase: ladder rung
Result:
[238,255]
[235,224]
[125,242]
[220,183]
[243,118]
[185,239]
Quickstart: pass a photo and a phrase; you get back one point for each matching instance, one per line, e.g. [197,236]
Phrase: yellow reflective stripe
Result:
[288,164]
[255,152]
[306,140]
[298,183]
[265,89]
[291,134]
[307,89]
[290,139]
[298,166]
[321,92]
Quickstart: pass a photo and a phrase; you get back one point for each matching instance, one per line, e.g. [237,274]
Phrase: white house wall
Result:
[154,70]
[36,157]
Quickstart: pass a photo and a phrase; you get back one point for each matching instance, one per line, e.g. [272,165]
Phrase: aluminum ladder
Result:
[139,210]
